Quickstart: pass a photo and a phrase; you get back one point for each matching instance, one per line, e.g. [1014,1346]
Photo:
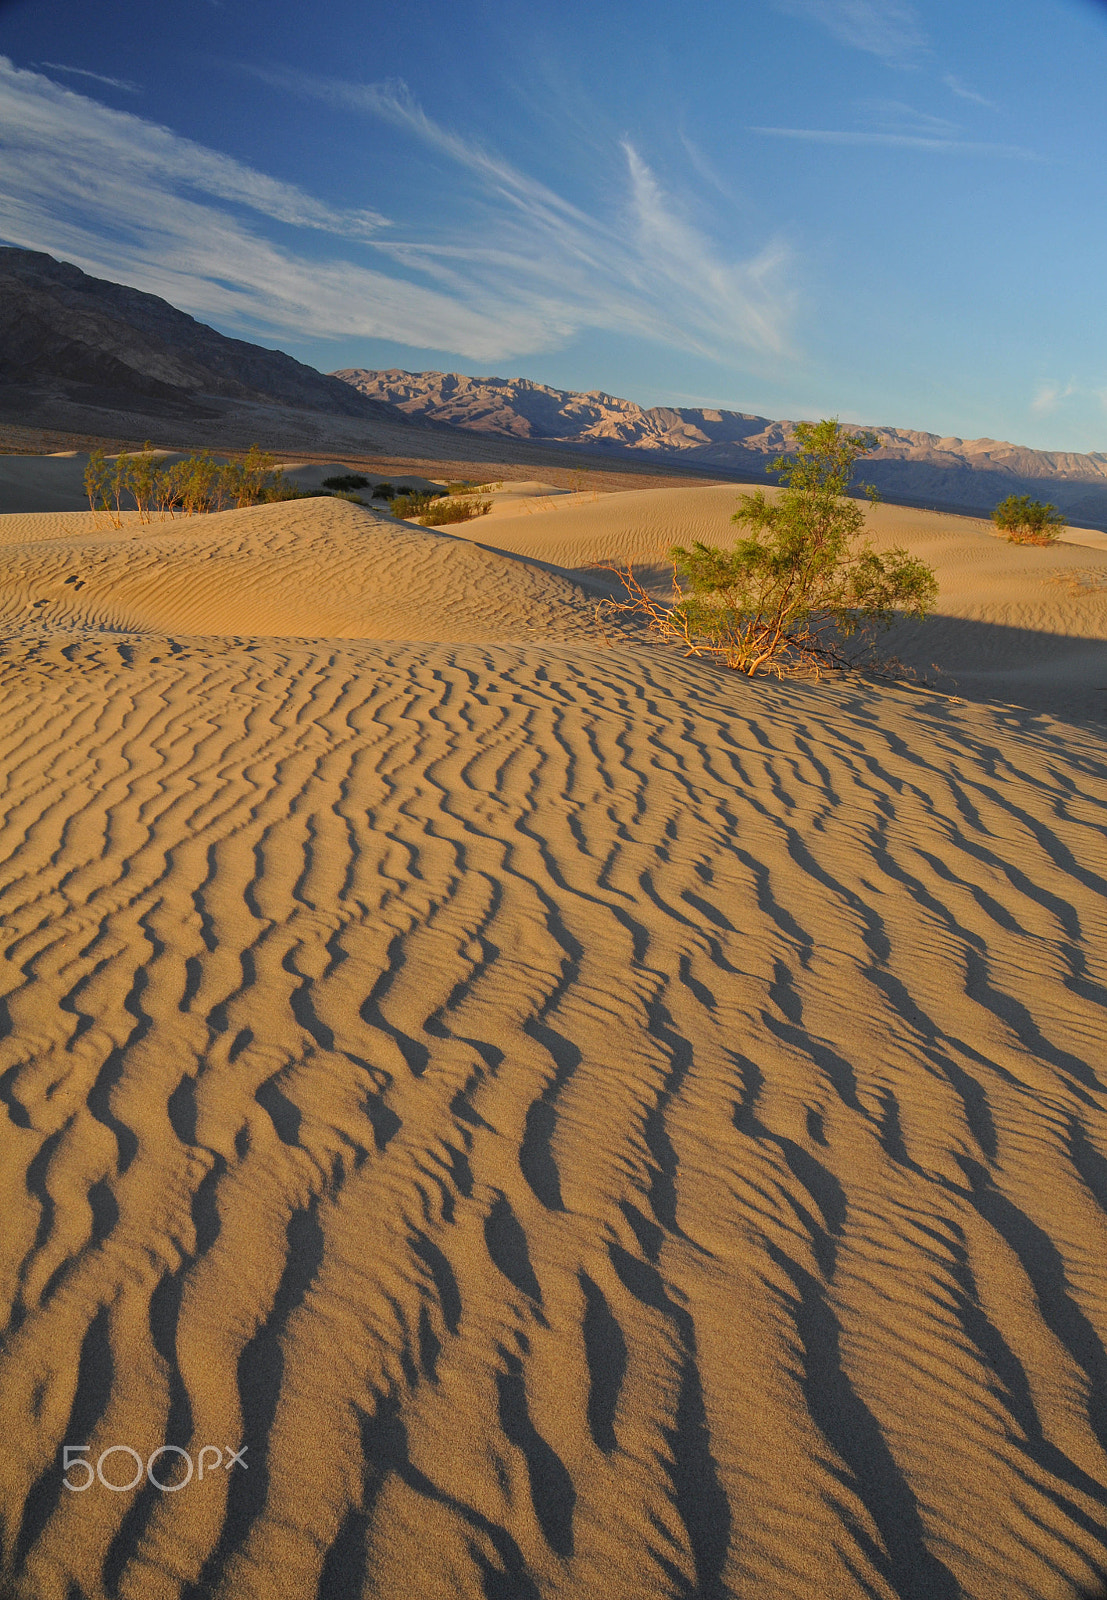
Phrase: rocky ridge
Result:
[961,474]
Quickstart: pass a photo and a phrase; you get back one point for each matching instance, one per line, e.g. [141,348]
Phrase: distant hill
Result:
[68,340]
[957,474]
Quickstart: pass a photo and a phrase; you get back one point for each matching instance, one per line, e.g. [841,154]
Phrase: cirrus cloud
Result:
[128,199]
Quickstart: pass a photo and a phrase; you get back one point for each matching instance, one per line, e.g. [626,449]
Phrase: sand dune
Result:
[588,1125]
[305,568]
[1013,623]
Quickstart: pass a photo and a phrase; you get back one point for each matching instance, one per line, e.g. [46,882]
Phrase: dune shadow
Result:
[1055,674]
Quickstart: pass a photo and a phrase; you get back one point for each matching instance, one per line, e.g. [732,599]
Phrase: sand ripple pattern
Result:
[589,1126]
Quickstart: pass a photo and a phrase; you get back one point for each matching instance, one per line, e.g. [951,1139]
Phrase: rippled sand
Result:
[587,1124]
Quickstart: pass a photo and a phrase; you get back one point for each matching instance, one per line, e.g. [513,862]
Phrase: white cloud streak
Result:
[886,28]
[127,199]
[1050,396]
[97,77]
[39,118]
[906,141]
[963,92]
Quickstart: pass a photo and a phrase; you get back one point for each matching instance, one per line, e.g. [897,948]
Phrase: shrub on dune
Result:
[1027,521]
[794,592]
[346,481]
[193,485]
[447,511]
[411,504]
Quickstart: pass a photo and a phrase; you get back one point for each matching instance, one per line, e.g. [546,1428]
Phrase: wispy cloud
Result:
[97,77]
[895,116]
[79,151]
[963,92]
[904,141]
[127,199]
[1049,397]
[657,276]
[889,29]
[1071,397]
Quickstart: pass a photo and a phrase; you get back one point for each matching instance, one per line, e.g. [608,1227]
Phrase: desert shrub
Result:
[408,506]
[1027,521]
[790,594]
[142,474]
[413,503]
[243,481]
[346,480]
[198,484]
[447,511]
[347,494]
[192,485]
[279,488]
[97,474]
[383,491]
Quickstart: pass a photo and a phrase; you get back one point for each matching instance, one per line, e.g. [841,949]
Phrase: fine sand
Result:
[584,1123]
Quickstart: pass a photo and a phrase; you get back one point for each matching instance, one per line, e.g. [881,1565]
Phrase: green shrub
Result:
[383,491]
[788,595]
[1027,521]
[410,504]
[346,481]
[281,489]
[447,511]
[193,485]
[96,480]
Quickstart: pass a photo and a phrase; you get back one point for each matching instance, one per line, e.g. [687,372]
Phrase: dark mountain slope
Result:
[65,336]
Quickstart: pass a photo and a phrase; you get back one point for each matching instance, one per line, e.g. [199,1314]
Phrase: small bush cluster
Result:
[410,504]
[163,490]
[345,482]
[436,508]
[1027,521]
[447,511]
[190,487]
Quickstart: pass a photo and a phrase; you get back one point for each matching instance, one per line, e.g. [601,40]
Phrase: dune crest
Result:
[307,569]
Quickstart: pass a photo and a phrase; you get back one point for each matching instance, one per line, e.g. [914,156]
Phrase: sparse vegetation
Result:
[789,595]
[1027,521]
[191,486]
[461,510]
[412,504]
[434,508]
[347,481]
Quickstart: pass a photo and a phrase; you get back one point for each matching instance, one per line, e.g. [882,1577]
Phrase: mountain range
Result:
[85,355]
[949,473]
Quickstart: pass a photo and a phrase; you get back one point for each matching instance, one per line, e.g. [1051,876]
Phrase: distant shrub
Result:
[193,485]
[412,503]
[347,481]
[1027,521]
[347,494]
[447,511]
[281,489]
[383,491]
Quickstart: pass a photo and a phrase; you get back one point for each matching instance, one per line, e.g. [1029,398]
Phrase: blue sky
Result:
[887,210]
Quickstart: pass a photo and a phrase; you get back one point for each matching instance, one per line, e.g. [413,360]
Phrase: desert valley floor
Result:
[585,1123]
